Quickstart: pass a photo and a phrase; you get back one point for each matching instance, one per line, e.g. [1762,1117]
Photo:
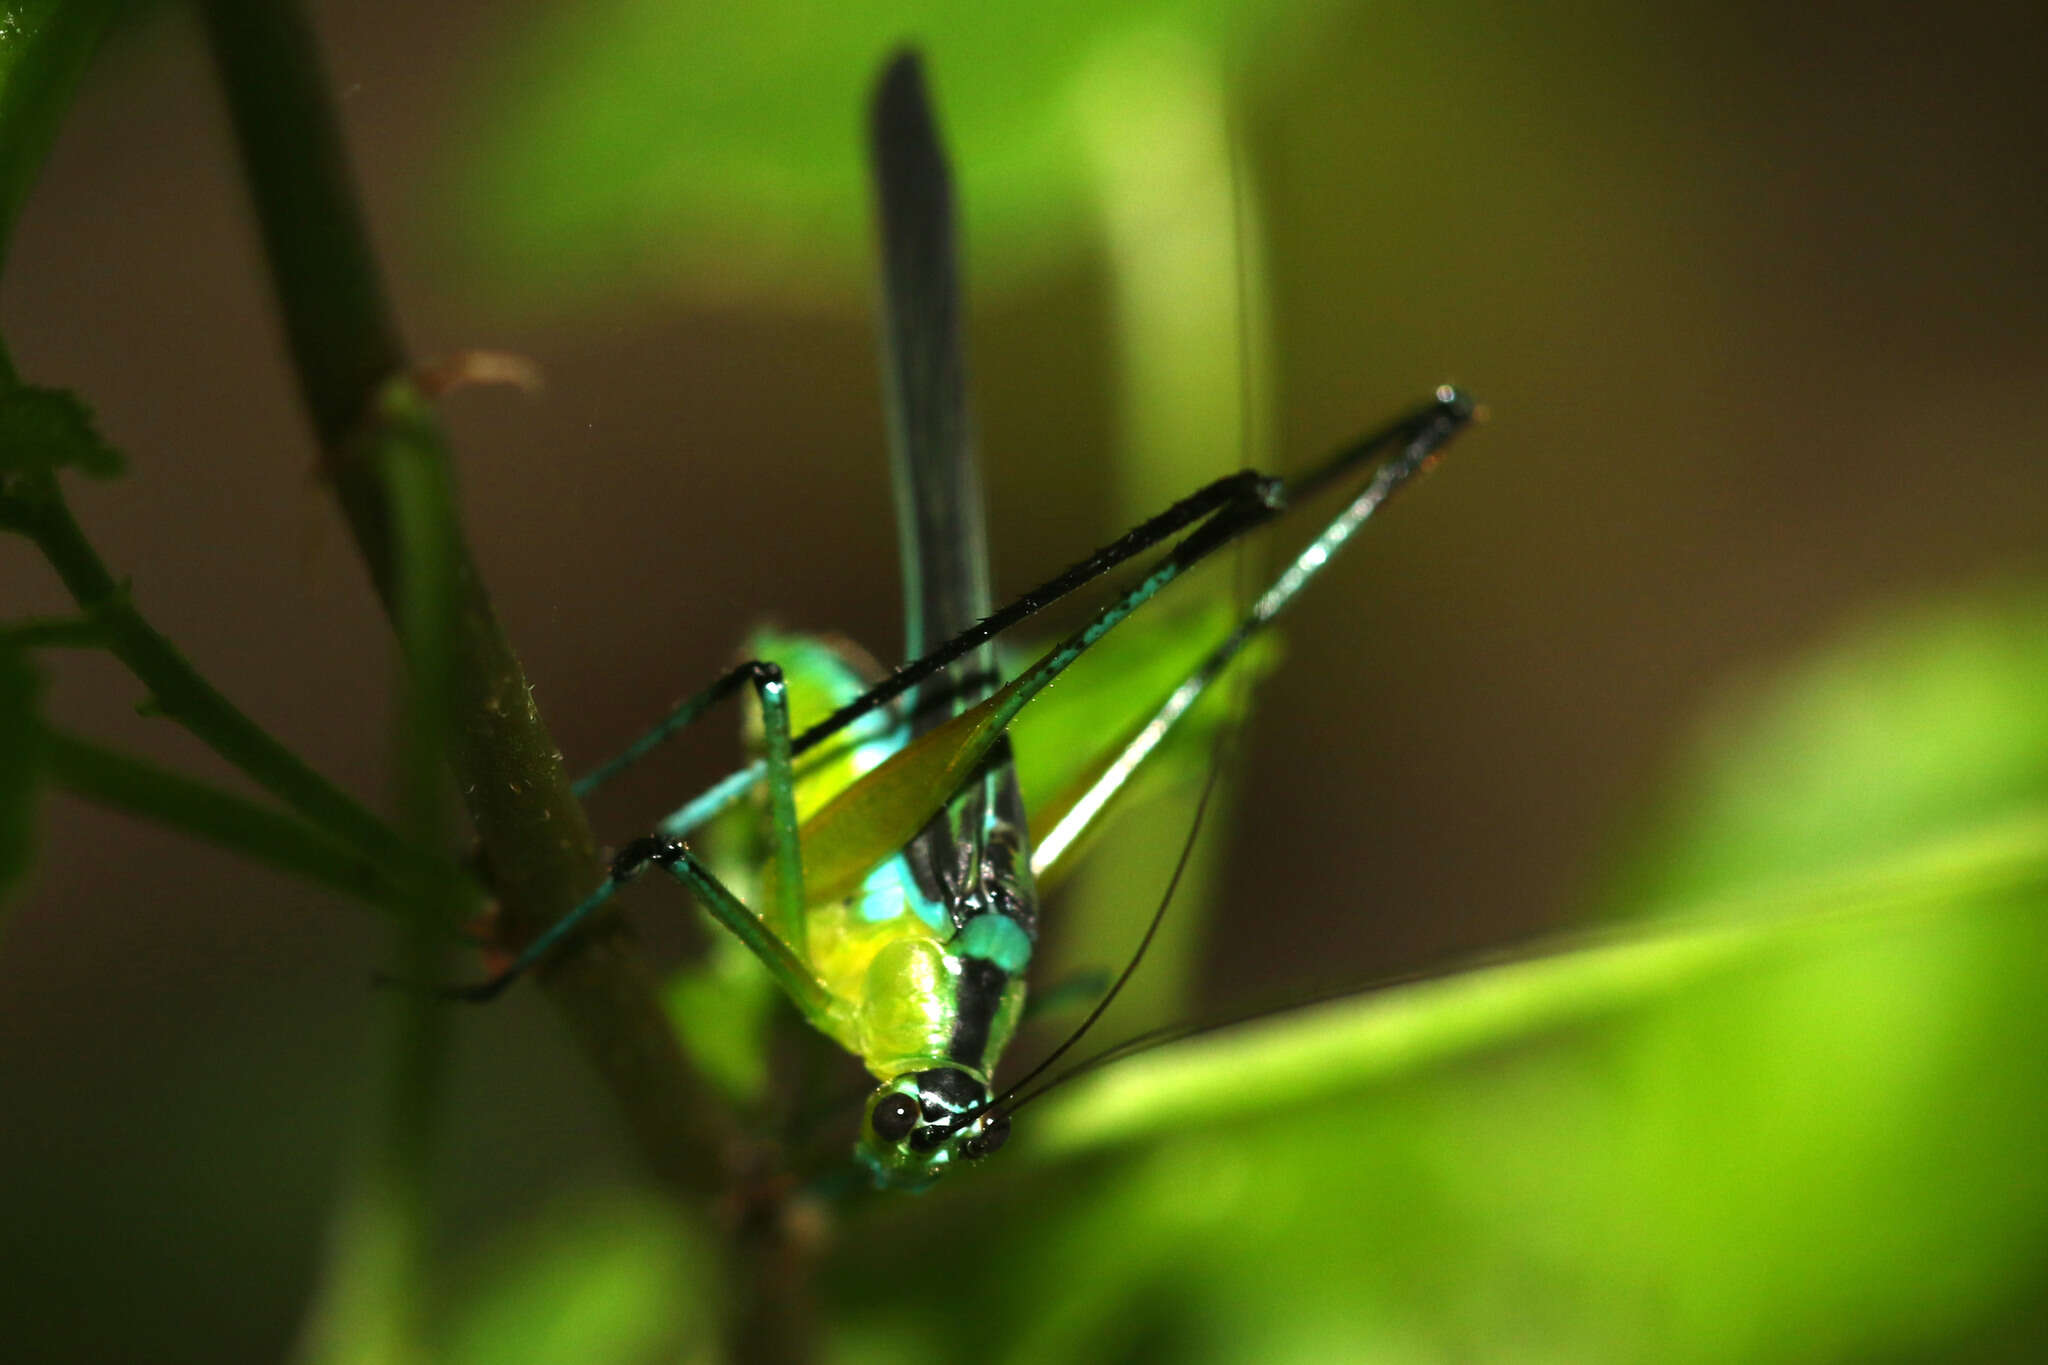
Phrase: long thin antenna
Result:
[1242,1017]
[1247,425]
[1245,1015]
[1180,867]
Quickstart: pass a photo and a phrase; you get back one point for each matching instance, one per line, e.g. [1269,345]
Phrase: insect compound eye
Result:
[991,1138]
[894,1117]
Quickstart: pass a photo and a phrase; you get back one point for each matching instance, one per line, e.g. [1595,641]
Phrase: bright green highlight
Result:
[636,142]
[603,1281]
[1924,721]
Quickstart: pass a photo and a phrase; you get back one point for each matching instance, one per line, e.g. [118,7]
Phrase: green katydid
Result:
[898,910]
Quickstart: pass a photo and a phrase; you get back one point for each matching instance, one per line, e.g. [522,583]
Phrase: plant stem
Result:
[178,691]
[54,632]
[34,506]
[178,802]
[351,372]
[374,1300]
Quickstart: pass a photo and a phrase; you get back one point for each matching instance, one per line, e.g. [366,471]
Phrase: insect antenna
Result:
[1294,1001]
[1248,438]
[1248,435]
[1003,1102]
[1195,1028]
[1244,1014]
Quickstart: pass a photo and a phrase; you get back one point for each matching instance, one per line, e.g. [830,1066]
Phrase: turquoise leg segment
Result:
[789,971]
[675,722]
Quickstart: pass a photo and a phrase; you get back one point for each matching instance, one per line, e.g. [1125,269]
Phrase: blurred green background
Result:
[1740,586]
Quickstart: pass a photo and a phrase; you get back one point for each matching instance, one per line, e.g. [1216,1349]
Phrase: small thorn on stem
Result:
[465,369]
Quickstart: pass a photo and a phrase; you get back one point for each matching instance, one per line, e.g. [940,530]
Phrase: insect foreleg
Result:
[787,930]
[789,971]
[802,985]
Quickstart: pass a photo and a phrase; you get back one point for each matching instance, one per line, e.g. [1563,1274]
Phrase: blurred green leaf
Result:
[638,140]
[20,766]
[722,1007]
[1775,1164]
[48,429]
[1311,1054]
[1910,726]
[44,48]
[1795,1161]
[607,1282]
[1803,1122]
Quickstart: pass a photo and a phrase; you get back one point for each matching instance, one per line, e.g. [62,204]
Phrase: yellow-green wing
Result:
[1068,738]
[874,817]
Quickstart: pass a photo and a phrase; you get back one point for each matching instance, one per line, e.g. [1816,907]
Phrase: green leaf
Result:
[21,767]
[722,1008]
[1742,1138]
[632,141]
[1909,726]
[44,48]
[1799,1120]
[1307,1055]
[49,429]
[605,1281]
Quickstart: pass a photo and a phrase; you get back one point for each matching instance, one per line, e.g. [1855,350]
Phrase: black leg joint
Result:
[642,851]
[480,993]
[483,992]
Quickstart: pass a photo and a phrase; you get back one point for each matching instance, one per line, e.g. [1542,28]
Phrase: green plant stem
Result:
[54,632]
[34,505]
[376,1292]
[179,692]
[374,1300]
[177,802]
[351,372]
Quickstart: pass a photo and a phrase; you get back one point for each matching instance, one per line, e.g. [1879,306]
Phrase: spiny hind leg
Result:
[1396,454]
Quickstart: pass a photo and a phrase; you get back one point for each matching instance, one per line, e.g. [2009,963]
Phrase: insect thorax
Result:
[925,962]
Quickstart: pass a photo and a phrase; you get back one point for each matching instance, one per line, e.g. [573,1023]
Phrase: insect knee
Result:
[628,862]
